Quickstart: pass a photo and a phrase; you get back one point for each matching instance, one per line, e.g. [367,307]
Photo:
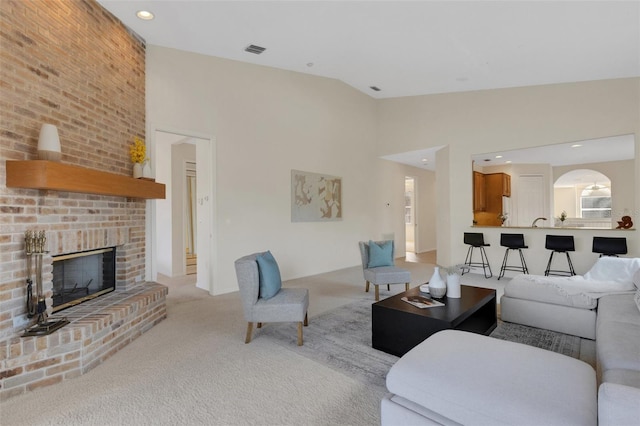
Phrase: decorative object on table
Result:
[34,246]
[421,302]
[138,154]
[315,197]
[437,286]
[563,217]
[146,169]
[453,280]
[49,143]
[503,218]
[625,223]
[424,288]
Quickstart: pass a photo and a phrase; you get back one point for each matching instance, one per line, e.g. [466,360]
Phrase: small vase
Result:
[137,170]
[437,286]
[453,286]
[146,169]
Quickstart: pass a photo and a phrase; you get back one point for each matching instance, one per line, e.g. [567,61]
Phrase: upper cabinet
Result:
[479,194]
[498,184]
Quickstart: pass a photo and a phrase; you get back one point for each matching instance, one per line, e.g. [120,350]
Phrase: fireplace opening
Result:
[82,276]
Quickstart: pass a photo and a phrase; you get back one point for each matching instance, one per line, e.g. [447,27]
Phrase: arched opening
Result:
[583,198]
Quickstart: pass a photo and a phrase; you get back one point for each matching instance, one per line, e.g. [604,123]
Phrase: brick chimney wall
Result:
[72,64]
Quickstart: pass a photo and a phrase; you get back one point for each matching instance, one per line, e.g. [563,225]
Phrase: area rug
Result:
[341,339]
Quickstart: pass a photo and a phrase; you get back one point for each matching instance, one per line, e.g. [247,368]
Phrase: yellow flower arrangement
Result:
[138,151]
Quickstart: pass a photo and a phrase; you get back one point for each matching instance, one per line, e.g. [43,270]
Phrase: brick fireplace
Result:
[72,64]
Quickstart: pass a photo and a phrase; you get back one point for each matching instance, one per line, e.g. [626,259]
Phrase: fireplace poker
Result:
[35,245]
[28,243]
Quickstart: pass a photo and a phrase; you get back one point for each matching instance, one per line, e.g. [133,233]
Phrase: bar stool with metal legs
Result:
[559,244]
[476,240]
[609,246]
[513,242]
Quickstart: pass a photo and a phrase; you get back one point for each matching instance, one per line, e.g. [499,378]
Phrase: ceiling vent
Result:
[252,48]
[374,88]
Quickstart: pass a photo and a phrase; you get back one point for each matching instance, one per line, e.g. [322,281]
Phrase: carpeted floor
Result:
[195,369]
[341,340]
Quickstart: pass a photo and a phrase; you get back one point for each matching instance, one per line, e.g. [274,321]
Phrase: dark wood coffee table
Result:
[398,326]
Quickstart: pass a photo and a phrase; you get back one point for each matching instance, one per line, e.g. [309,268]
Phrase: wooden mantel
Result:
[40,174]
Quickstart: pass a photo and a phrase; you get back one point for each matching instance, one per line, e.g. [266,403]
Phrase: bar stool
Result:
[559,244]
[476,240]
[513,242]
[609,246]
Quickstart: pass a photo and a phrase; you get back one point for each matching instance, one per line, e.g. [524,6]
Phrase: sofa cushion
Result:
[552,290]
[269,275]
[474,379]
[618,405]
[618,333]
[622,377]
[380,254]
[614,269]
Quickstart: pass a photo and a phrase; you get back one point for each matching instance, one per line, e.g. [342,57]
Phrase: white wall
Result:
[472,123]
[267,122]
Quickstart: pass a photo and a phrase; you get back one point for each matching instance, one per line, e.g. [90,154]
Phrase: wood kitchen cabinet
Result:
[488,190]
[479,192]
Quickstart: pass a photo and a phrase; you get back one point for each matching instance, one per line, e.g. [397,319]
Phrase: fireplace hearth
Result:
[82,276]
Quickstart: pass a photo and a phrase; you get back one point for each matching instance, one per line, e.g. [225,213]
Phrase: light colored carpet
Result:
[341,340]
[194,368]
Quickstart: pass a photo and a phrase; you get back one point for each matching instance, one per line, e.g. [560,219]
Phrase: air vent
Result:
[374,88]
[252,48]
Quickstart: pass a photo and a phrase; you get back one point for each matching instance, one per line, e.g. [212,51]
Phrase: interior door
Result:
[531,204]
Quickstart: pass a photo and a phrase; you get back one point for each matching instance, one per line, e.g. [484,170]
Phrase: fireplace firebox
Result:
[82,276]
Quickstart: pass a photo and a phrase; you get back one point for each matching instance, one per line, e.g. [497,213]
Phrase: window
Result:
[595,202]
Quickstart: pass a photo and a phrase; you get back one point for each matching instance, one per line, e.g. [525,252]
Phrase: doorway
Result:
[191,219]
[410,214]
[182,223]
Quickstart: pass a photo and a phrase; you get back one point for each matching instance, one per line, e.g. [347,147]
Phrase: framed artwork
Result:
[315,197]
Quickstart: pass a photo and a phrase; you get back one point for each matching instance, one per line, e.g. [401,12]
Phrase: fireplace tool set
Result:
[34,247]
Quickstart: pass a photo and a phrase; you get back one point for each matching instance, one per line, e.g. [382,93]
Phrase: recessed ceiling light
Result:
[145,15]
[508,161]
[374,88]
[424,160]
[309,64]
[498,156]
[576,145]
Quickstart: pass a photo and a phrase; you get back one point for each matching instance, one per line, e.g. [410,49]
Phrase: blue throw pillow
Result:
[380,254]
[269,275]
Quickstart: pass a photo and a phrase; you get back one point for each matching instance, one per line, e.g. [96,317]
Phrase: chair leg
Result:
[406,286]
[504,264]
[306,319]
[467,259]
[377,292]
[546,271]
[485,261]
[366,287]
[525,270]
[300,333]
[388,287]
[571,270]
[249,330]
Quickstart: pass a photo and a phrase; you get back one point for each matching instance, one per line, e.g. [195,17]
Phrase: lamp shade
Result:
[49,143]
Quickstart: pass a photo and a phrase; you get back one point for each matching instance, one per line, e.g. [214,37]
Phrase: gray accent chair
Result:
[383,274]
[288,305]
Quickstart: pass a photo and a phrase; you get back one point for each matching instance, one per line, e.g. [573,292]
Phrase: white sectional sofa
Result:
[567,304]
[455,377]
